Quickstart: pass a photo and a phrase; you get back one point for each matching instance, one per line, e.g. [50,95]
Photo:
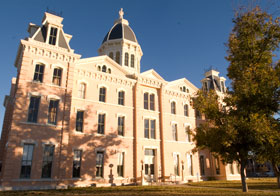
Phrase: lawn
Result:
[220,188]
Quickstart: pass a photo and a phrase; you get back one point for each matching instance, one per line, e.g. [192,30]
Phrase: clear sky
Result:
[179,38]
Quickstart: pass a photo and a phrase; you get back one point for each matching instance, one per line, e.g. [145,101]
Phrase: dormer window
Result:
[53,34]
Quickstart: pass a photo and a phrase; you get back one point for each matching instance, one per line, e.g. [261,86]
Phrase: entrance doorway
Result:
[149,165]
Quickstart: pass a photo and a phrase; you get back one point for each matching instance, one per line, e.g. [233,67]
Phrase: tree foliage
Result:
[245,123]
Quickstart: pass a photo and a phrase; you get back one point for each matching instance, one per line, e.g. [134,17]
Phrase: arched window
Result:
[118,57]
[82,91]
[186,110]
[99,68]
[39,72]
[109,70]
[126,59]
[188,133]
[57,73]
[102,94]
[184,89]
[132,61]
[121,98]
[104,68]
[173,107]
[111,55]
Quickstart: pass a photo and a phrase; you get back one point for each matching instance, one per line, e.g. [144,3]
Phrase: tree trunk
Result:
[243,177]
[276,172]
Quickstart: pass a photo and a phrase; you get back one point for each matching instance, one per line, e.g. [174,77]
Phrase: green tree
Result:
[245,125]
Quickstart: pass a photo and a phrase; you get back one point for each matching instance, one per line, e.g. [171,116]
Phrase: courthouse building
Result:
[73,121]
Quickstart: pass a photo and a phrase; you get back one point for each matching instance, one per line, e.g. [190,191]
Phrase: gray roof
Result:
[120,31]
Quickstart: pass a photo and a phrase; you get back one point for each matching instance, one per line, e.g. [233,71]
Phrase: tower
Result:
[213,81]
[121,45]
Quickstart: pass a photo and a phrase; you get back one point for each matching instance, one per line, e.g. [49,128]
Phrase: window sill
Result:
[40,124]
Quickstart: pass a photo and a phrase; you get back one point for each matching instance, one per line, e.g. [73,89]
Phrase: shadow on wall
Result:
[58,131]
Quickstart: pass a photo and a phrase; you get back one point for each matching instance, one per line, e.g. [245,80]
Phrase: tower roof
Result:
[120,30]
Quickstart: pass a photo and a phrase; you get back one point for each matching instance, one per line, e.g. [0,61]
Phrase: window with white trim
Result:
[173,107]
[102,94]
[120,166]
[121,97]
[47,161]
[26,161]
[39,73]
[100,164]
[53,110]
[121,125]
[101,123]
[174,132]
[33,109]
[77,159]
[57,74]
[80,121]
[82,91]
[150,128]
[149,101]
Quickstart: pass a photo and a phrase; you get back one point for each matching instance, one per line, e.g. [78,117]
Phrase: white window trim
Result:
[171,100]
[101,112]
[174,122]
[102,85]
[120,89]
[100,149]
[82,81]
[187,124]
[53,97]
[121,115]
[76,109]
[55,144]
[28,141]
[35,94]
[149,117]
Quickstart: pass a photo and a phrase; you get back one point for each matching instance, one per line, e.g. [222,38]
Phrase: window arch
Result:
[118,57]
[111,55]
[109,70]
[99,68]
[104,68]
[173,107]
[132,60]
[102,94]
[126,59]
[186,110]
[184,89]
[82,91]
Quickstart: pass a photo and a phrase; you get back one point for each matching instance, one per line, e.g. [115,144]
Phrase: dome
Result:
[120,30]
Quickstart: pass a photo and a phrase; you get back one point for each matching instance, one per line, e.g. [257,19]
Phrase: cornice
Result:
[105,77]
[50,51]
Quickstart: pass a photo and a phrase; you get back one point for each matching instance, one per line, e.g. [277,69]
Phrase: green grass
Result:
[217,188]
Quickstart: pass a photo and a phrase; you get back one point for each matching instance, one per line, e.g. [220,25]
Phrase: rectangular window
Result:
[132,61]
[77,164]
[101,123]
[102,94]
[52,38]
[146,101]
[82,91]
[190,164]
[146,128]
[121,98]
[188,134]
[99,164]
[53,109]
[202,167]
[174,132]
[80,121]
[173,107]
[186,110]
[57,73]
[153,129]
[126,59]
[176,164]
[217,166]
[231,168]
[152,102]
[149,128]
[26,161]
[33,109]
[120,168]
[121,125]
[47,161]
[39,72]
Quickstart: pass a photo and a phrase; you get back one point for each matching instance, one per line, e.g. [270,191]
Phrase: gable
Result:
[100,62]
[152,74]
[181,84]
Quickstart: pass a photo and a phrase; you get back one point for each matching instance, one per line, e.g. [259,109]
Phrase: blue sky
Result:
[179,38]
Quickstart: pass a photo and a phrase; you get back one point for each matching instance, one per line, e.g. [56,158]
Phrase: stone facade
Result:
[97,121]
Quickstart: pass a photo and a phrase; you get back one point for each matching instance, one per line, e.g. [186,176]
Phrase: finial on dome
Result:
[121,13]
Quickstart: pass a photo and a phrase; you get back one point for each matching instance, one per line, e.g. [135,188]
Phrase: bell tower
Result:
[121,45]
